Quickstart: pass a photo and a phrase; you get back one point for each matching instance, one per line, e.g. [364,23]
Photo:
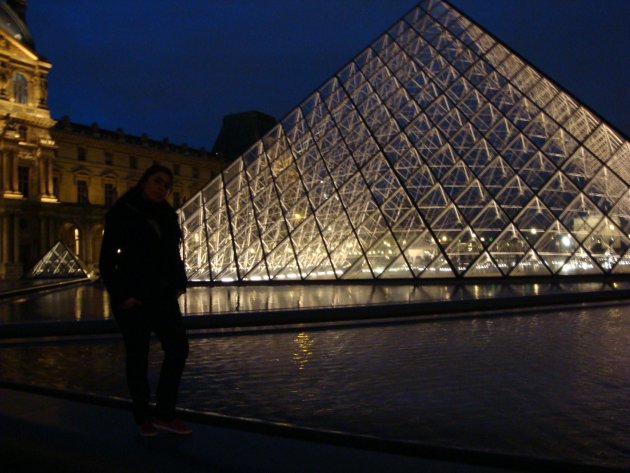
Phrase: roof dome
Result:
[11,22]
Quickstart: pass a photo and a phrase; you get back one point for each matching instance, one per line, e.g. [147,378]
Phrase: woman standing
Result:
[144,275]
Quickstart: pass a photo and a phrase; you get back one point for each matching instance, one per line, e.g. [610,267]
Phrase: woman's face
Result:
[157,187]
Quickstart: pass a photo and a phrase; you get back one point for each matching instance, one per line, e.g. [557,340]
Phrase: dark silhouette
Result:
[144,275]
[240,131]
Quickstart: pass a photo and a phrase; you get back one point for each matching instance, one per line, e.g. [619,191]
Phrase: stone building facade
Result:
[59,178]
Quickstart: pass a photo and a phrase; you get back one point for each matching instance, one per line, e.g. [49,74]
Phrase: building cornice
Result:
[66,127]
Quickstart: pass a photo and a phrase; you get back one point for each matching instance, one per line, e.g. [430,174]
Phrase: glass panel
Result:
[484,267]
[558,193]
[581,167]
[580,263]
[607,244]
[531,265]
[605,188]
[556,246]
[514,196]
[508,249]
[533,220]
[619,162]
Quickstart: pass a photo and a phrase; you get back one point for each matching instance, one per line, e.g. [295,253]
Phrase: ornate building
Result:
[58,179]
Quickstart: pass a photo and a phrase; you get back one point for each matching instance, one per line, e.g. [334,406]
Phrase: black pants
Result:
[163,317]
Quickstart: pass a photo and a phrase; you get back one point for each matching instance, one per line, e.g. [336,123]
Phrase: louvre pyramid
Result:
[59,262]
[435,153]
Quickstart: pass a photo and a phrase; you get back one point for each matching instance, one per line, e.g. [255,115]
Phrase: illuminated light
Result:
[444,238]
[533,231]
[76,241]
[118,251]
[304,346]
[566,241]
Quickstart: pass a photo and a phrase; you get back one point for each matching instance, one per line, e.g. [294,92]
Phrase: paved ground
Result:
[42,433]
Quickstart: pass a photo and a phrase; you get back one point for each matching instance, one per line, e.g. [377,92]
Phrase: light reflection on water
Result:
[553,385]
[303,349]
[91,302]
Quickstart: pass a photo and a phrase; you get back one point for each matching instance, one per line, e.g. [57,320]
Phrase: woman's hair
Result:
[156,168]
[136,191]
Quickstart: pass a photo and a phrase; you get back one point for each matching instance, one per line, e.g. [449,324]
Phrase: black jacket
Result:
[140,251]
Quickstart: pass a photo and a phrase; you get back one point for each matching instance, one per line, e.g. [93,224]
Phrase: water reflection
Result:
[78,303]
[549,385]
[223,299]
[303,349]
[91,301]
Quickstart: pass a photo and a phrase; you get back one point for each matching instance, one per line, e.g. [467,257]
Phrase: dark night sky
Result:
[174,69]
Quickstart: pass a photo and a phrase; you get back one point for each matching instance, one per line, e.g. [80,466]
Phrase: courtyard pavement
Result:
[50,434]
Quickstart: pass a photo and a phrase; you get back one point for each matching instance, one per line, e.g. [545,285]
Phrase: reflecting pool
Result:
[553,384]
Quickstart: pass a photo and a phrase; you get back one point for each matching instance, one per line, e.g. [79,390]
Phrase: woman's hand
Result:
[130,303]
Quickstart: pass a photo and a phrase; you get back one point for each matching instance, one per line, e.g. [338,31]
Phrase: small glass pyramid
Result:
[59,262]
[435,153]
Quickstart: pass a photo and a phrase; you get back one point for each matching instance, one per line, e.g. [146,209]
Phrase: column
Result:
[16,240]
[5,170]
[52,234]
[87,253]
[4,239]
[7,239]
[14,173]
[49,177]
[43,235]
[41,175]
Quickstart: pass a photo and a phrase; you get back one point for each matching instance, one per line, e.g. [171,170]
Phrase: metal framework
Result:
[436,152]
[58,262]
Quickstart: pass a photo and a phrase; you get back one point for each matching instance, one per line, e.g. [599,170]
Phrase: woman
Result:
[144,275]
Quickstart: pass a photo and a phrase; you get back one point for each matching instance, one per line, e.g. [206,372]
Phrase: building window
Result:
[195,173]
[23,176]
[23,131]
[82,192]
[109,159]
[20,89]
[133,162]
[56,186]
[176,169]
[110,194]
[81,153]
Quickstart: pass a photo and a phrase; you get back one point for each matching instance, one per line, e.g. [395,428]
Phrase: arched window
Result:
[20,88]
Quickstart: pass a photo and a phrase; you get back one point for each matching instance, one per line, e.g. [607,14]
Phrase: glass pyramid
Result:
[59,262]
[435,153]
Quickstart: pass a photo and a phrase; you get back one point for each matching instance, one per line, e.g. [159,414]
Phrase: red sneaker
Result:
[177,426]
[147,429]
